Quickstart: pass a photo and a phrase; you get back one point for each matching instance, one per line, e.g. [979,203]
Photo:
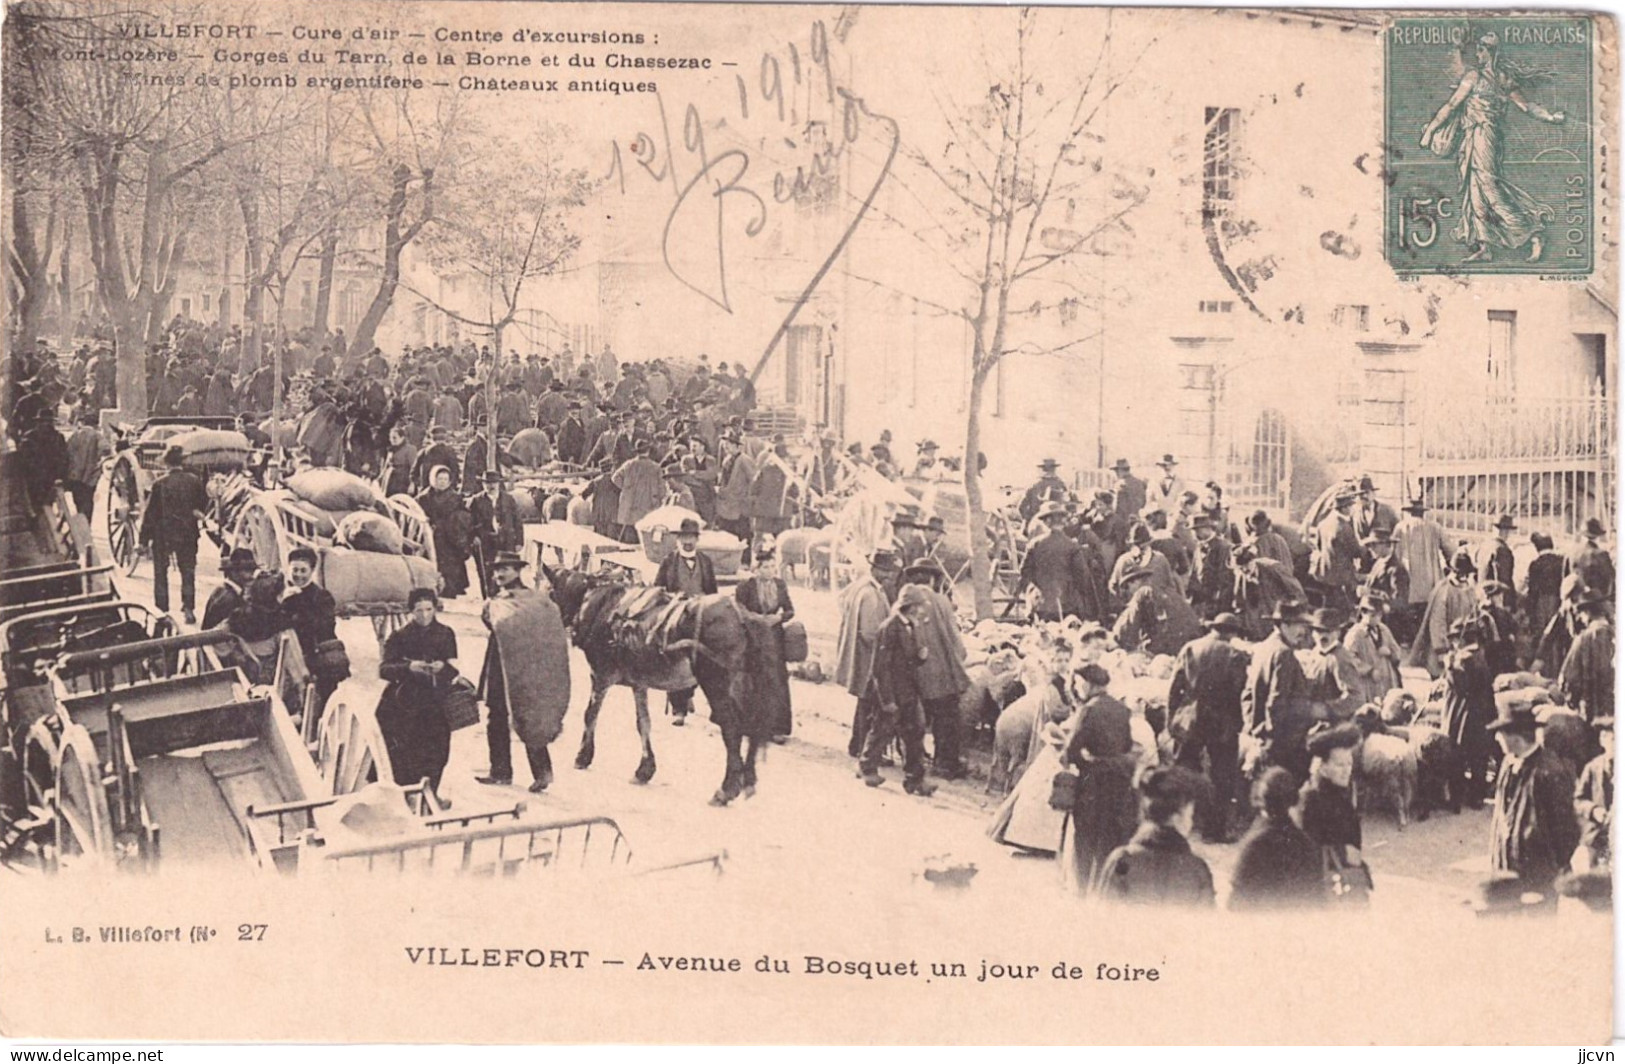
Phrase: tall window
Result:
[1353,316]
[1219,158]
[1499,363]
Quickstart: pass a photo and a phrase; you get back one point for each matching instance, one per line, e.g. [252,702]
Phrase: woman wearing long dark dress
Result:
[449,521]
[418,664]
[766,594]
[1106,810]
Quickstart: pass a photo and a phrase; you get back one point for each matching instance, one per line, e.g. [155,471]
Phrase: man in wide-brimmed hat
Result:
[864,604]
[1384,573]
[1129,492]
[1266,541]
[1204,712]
[1337,551]
[516,660]
[1165,491]
[1213,578]
[1048,487]
[1374,649]
[1587,677]
[1493,556]
[1330,667]
[1591,561]
[899,712]
[1067,580]
[169,524]
[1141,558]
[1275,697]
[239,568]
[1422,547]
[494,517]
[1455,598]
[1533,830]
[688,572]
[1370,513]
[906,538]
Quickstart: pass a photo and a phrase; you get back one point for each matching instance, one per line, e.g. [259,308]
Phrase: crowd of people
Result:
[1287,648]
[1284,644]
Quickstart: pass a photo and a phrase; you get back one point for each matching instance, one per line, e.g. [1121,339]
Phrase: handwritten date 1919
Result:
[714,191]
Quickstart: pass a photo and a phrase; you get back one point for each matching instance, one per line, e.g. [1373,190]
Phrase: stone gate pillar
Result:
[1389,436]
[1196,441]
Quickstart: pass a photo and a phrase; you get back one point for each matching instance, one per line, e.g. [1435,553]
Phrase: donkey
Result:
[721,641]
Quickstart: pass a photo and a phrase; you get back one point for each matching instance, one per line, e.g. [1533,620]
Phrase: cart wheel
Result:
[84,833]
[259,530]
[124,516]
[350,751]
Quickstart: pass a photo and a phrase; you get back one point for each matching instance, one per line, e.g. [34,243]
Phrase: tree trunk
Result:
[64,284]
[981,566]
[492,389]
[129,336]
[27,271]
[324,283]
[253,284]
[395,240]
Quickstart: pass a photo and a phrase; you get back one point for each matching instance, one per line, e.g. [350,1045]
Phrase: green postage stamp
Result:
[1489,144]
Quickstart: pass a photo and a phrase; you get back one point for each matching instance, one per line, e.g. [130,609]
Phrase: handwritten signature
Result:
[717,190]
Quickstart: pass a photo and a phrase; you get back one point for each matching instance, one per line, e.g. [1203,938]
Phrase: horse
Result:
[721,640]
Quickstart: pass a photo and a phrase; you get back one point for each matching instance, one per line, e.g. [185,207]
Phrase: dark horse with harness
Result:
[646,638]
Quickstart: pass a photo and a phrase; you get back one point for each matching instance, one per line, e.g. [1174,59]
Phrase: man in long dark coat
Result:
[1534,830]
[900,713]
[1590,561]
[170,524]
[1068,584]
[1469,706]
[1204,707]
[497,526]
[1275,698]
[1587,676]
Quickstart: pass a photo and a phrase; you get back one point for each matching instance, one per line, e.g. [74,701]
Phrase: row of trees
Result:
[154,172]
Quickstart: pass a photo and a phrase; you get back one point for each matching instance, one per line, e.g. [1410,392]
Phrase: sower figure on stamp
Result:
[1470,126]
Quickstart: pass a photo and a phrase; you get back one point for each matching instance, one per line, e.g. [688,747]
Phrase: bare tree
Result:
[136,147]
[1013,166]
[408,138]
[507,225]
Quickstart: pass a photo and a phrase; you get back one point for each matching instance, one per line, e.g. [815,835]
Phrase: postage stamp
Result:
[1489,144]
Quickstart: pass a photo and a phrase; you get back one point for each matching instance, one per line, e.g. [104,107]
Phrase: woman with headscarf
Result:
[766,596]
[449,521]
[418,664]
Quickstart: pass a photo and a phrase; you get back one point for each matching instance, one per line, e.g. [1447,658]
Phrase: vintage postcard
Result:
[707,523]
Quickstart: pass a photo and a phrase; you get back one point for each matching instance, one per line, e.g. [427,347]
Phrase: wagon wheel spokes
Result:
[124,517]
[84,833]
